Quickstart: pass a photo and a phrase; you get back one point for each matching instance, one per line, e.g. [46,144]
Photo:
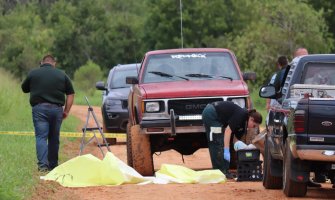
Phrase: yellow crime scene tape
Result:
[68,134]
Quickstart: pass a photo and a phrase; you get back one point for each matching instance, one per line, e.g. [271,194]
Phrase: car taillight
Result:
[299,121]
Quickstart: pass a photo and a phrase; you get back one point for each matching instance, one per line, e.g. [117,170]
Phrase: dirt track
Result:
[200,160]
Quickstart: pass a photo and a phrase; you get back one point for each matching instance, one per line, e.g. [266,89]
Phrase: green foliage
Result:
[259,104]
[86,77]
[103,31]
[18,166]
[94,98]
[110,32]
[328,8]
[278,31]
[12,102]
[203,23]
[23,40]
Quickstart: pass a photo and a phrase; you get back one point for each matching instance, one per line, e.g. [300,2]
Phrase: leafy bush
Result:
[86,76]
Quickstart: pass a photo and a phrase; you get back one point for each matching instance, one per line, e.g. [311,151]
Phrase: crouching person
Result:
[223,119]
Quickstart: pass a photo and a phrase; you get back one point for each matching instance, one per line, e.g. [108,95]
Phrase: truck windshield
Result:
[194,66]
[319,74]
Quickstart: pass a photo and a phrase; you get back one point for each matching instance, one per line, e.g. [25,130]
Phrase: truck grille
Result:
[190,106]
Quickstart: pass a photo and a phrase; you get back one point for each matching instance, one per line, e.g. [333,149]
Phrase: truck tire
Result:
[139,151]
[291,188]
[269,181]
[129,152]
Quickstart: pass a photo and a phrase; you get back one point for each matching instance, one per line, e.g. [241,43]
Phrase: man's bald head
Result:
[300,52]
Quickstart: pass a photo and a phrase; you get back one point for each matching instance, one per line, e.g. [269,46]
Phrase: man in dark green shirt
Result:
[48,87]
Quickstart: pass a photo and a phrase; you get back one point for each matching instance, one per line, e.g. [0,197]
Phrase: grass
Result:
[94,99]
[17,166]
[18,169]
[259,104]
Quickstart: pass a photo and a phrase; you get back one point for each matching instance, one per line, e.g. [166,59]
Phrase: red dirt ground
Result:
[200,160]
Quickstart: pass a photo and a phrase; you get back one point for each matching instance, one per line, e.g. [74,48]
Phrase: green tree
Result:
[328,9]
[203,22]
[23,39]
[104,31]
[277,31]
[86,77]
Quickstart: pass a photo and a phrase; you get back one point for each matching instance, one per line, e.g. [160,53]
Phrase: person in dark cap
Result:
[50,89]
[222,120]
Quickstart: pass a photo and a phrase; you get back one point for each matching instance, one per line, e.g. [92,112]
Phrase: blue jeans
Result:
[47,120]
[215,147]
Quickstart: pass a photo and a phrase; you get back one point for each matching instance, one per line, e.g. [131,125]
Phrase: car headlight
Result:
[239,101]
[113,102]
[110,103]
[152,107]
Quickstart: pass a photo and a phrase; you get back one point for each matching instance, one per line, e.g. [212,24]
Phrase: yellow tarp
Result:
[87,170]
[180,174]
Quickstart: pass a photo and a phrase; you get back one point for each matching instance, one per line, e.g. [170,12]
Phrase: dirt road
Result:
[200,160]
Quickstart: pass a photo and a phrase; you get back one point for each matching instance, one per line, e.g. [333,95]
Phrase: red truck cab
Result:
[167,98]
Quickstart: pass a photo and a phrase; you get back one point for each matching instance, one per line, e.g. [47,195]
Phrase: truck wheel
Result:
[139,151]
[291,188]
[129,152]
[269,181]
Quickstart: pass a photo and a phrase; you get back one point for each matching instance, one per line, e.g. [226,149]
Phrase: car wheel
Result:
[291,188]
[269,181]
[139,151]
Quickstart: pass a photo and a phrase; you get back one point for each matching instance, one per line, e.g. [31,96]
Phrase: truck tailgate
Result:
[321,120]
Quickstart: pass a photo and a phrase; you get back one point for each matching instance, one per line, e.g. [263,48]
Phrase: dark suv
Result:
[115,98]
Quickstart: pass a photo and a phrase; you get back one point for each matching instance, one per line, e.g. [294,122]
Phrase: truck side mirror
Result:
[249,76]
[100,85]
[131,80]
[268,91]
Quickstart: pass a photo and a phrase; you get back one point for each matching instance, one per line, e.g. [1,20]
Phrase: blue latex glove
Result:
[226,154]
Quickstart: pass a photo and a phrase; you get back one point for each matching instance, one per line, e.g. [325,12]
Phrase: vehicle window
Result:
[189,66]
[319,74]
[118,79]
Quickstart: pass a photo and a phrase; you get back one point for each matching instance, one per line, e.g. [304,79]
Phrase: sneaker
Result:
[43,169]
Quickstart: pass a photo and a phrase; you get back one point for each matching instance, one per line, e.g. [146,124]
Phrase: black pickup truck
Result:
[300,135]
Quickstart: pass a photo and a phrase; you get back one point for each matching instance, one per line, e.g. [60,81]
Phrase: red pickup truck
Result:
[168,96]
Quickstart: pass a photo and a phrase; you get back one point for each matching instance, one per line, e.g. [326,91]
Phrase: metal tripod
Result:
[93,129]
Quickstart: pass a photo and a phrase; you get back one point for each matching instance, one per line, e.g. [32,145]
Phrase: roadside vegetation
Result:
[111,32]
[259,104]
[84,82]
[18,169]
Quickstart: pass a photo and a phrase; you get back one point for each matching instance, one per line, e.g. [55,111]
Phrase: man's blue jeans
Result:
[215,147]
[47,120]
